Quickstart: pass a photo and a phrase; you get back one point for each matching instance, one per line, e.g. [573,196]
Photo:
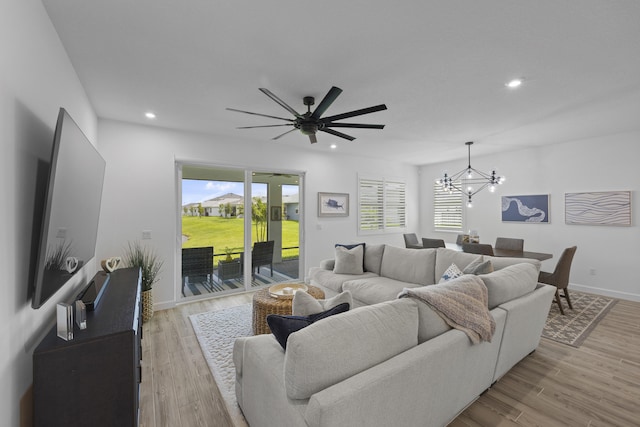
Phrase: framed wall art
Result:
[276,213]
[598,208]
[529,209]
[333,204]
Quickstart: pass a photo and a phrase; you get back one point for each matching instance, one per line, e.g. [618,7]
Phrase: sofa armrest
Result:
[526,317]
[328,264]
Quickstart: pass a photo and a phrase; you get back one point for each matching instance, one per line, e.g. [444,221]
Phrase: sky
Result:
[196,191]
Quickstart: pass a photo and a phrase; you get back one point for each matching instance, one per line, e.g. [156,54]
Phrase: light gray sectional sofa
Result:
[389,361]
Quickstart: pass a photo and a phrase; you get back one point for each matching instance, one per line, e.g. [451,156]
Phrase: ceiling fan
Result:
[311,122]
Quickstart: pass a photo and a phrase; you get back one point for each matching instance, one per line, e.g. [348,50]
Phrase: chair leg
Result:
[559,302]
[566,295]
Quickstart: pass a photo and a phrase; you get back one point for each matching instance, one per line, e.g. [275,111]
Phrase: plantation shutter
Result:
[395,207]
[447,209]
[381,205]
[370,204]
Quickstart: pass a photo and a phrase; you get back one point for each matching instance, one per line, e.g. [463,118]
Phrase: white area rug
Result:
[216,332]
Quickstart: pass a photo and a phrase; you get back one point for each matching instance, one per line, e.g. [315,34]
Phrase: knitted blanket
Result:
[462,303]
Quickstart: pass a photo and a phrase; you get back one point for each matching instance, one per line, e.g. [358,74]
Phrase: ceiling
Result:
[439,66]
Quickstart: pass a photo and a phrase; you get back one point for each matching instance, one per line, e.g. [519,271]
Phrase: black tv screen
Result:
[72,209]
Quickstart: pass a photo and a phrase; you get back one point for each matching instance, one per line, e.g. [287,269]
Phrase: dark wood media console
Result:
[93,380]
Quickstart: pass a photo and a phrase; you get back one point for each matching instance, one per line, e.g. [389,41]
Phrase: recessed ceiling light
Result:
[333,146]
[150,115]
[514,83]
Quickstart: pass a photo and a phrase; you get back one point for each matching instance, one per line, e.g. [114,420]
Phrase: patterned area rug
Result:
[216,332]
[574,327]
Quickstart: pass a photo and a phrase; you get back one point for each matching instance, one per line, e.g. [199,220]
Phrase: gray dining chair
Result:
[432,243]
[477,248]
[560,277]
[411,241]
[509,244]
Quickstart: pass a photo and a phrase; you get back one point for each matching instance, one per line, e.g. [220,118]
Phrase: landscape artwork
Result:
[531,209]
[598,208]
[333,204]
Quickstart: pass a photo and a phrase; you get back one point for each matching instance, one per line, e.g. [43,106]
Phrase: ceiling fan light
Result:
[514,83]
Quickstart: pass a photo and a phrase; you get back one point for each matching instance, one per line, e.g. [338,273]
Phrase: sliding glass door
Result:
[239,229]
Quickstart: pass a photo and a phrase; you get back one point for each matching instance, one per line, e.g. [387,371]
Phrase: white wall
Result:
[37,78]
[140,189]
[599,164]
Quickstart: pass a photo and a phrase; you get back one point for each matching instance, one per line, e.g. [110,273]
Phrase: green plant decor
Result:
[228,251]
[147,260]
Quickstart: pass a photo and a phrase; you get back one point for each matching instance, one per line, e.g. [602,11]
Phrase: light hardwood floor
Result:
[595,385]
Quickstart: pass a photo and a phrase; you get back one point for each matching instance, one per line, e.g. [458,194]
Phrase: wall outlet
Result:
[592,271]
[146,234]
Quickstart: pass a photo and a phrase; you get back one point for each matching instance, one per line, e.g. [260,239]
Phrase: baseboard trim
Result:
[605,292]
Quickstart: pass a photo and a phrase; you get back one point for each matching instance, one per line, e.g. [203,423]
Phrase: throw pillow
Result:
[450,273]
[353,245]
[349,261]
[304,304]
[479,267]
[283,326]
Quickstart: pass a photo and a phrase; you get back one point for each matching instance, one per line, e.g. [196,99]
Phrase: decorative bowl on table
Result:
[286,290]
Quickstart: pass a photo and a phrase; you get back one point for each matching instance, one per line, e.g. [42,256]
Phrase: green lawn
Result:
[229,232]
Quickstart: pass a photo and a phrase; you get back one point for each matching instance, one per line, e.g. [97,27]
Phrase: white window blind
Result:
[447,209]
[381,205]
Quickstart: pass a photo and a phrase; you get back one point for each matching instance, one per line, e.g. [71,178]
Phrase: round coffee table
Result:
[264,304]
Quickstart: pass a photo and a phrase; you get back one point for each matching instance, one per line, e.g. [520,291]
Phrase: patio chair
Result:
[261,254]
[197,262]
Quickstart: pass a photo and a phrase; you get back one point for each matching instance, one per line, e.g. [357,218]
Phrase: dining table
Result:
[540,256]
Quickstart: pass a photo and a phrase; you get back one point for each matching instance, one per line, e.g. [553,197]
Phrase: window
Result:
[381,205]
[447,209]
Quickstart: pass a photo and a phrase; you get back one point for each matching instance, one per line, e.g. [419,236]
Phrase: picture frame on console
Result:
[333,204]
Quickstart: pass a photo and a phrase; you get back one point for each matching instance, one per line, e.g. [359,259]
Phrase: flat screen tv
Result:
[72,209]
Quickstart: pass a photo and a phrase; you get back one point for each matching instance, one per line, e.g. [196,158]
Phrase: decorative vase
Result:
[147,305]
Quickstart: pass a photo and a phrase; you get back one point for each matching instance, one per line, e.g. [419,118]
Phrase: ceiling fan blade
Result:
[354,113]
[352,125]
[326,102]
[263,126]
[283,134]
[336,133]
[258,114]
[279,101]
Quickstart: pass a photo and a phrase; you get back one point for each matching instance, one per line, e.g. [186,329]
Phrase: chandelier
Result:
[470,180]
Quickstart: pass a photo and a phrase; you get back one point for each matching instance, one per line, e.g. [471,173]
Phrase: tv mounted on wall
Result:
[72,209]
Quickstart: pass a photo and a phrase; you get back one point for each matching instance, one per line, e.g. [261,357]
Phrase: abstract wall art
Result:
[598,208]
[531,209]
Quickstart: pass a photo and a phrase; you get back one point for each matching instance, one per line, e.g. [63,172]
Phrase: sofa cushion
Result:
[510,282]
[331,280]
[479,267]
[283,326]
[373,258]
[376,289]
[502,262]
[304,304]
[445,257]
[349,261]
[409,265]
[339,347]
